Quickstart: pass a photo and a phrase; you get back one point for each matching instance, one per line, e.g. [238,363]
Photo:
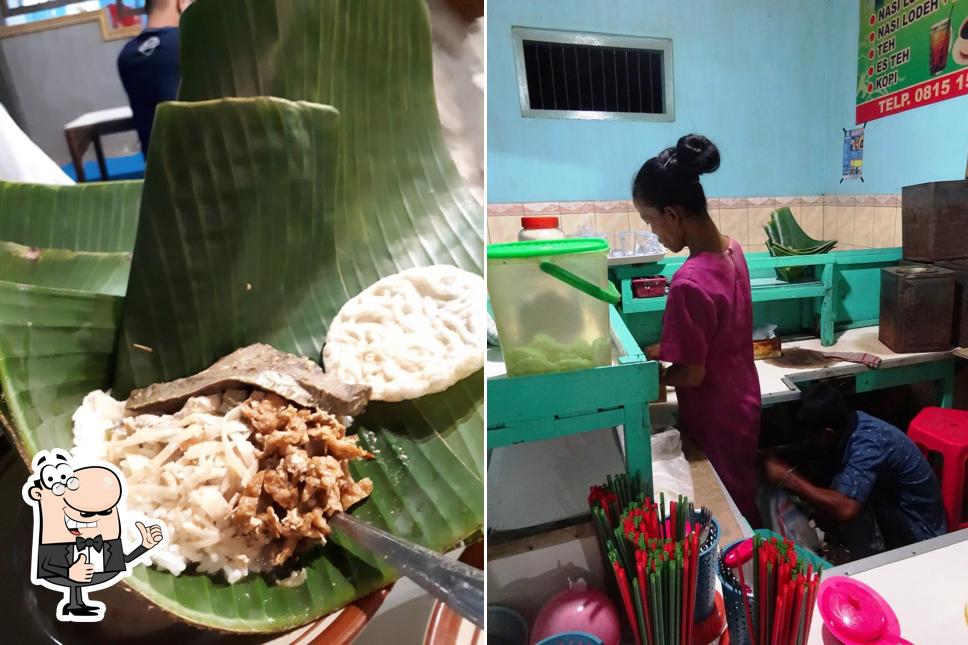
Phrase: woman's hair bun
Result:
[693,155]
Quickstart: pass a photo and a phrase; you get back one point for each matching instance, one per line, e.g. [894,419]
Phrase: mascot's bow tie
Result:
[85,543]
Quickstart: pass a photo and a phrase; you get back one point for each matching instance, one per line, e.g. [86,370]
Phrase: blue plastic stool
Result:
[572,638]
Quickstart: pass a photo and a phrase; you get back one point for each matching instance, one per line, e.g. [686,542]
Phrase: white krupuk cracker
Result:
[410,334]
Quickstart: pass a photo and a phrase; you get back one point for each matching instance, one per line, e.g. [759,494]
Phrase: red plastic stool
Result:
[944,432]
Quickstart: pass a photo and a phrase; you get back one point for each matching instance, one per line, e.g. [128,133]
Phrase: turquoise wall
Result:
[929,143]
[771,83]
[741,69]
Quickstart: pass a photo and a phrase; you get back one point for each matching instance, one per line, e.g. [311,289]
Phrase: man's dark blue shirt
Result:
[883,467]
[148,66]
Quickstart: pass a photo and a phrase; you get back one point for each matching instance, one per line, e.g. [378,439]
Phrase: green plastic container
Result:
[550,300]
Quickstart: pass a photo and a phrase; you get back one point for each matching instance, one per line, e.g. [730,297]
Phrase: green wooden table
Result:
[545,406]
[839,305]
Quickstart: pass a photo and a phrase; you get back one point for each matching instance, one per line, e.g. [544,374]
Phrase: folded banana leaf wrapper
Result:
[303,161]
[786,238]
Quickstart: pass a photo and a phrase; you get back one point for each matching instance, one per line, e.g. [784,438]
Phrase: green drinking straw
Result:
[754,637]
[670,603]
[638,610]
[770,596]
[802,614]
[680,525]
[676,599]
[662,511]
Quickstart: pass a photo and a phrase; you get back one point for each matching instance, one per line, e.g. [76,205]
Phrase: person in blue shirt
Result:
[882,494]
[148,64]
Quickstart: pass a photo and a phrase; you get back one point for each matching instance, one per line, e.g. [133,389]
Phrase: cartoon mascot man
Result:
[77,531]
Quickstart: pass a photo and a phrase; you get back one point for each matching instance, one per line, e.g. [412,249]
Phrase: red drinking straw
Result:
[796,628]
[811,600]
[641,564]
[787,611]
[684,603]
[623,585]
[775,638]
[761,599]
[693,584]
[746,602]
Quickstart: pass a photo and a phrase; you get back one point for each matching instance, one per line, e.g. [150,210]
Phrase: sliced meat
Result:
[352,492]
[247,506]
[346,449]
[260,366]
[280,489]
[280,552]
[303,476]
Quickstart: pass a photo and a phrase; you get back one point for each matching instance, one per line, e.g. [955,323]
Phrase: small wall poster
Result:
[853,154]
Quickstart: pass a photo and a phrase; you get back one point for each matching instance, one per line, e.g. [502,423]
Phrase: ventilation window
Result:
[569,75]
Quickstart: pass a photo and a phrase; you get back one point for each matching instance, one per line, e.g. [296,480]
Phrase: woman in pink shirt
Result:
[707,328]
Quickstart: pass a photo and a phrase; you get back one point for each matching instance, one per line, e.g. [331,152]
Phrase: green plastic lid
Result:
[544,248]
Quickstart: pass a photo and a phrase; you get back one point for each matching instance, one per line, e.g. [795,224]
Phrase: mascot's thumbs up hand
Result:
[150,536]
[81,571]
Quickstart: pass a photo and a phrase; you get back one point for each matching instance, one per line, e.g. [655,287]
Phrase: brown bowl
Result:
[347,625]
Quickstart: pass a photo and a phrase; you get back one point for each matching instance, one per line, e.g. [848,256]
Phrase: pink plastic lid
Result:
[856,614]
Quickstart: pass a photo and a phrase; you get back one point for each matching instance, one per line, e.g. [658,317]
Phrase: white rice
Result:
[185,469]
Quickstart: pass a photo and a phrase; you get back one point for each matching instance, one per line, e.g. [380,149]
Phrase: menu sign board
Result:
[911,53]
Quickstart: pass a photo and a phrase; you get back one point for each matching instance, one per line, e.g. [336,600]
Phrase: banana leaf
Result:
[783,250]
[105,273]
[282,217]
[59,308]
[790,274]
[399,199]
[786,238]
[56,345]
[82,217]
[785,230]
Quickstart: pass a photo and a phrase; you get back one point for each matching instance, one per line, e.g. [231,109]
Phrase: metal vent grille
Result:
[593,76]
[594,79]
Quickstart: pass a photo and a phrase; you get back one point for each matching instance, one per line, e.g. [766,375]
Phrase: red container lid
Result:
[539,222]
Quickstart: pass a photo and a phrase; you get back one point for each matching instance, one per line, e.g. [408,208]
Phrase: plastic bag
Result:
[785,517]
[670,470]
[764,332]
[22,160]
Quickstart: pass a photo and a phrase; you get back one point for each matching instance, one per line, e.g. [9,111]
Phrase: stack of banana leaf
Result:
[786,238]
[303,162]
